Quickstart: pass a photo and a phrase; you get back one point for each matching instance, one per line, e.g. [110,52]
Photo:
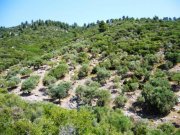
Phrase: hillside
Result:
[115,77]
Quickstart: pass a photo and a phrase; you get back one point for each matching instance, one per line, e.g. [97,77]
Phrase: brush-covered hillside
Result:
[114,77]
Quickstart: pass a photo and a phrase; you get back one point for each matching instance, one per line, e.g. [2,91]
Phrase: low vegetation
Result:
[101,68]
[59,91]
[29,84]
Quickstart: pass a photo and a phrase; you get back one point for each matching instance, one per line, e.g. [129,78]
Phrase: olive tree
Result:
[59,91]
[158,97]
[59,71]
[29,84]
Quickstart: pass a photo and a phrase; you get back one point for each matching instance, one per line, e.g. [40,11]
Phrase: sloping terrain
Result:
[105,70]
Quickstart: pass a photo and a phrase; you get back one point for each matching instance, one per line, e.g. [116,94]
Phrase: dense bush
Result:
[36,63]
[29,84]
[102,75]
[59,71]
[176,77]
[25,71]
[13,71]
[13,81]
[59,91]
[130,85]
[92,93]
[48,80]
[83,72]
[82,57]
[167,128]
[158,97]
[120,101]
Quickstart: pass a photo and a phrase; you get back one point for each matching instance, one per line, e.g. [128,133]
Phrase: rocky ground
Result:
[39,93]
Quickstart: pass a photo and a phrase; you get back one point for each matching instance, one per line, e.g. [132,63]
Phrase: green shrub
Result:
[83,72]
[36,63]
[25,71]
[13,81]
[48,80]
[140,129]
[122,70]
[13,71]
[102,75]
[130,85]
[106,64]
[134,86]
[159,99]
[24,126]
[59,71]
[59,91]
[103,97]
[3,83]
[167,128]
[87,94]
[120,101]
[82,57]
[176,77]
[29,84]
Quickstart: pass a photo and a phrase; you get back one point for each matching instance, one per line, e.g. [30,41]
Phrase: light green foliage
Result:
[13,81]
[25,126]
[59,71]
[167,128]
[83,72]
[102,75]
[25,71]
[125,45]
[141,129]
[48,80]
[103,97]
[176,77]
[59,91]
[130,85]
[13,71]
[87,94]
[82,57]
[29,84]
[36,63]
[120,101]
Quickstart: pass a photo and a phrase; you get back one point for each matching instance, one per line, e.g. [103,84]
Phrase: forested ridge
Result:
[119,76]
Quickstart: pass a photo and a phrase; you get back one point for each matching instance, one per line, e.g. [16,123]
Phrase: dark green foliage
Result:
[102,26]
[29,84]
[159,99]
[59,71]
[59,91]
